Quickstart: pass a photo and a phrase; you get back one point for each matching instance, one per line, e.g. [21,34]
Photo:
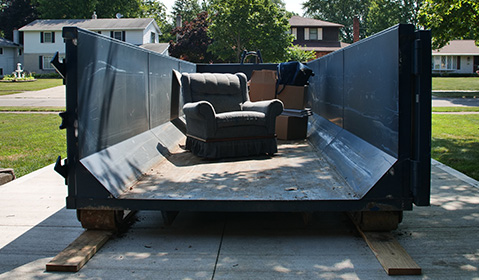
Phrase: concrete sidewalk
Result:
[454,102]
[51,97]
[35,226]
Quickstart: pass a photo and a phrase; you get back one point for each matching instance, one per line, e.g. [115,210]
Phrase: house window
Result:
[44,61]
[152,37]
[446,62]
[20,52]
[1,71]
[313,33]
[1,50]
[294,32]
[119,35]
[47,37]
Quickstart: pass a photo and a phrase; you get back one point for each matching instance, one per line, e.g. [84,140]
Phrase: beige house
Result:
[459,56]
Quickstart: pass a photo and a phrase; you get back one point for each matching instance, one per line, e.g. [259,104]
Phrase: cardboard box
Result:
[293,97]
[262,85]
[291,128]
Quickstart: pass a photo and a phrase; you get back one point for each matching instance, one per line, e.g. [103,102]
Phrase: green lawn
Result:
[455,142]
[16,87]
[455,83]
[30,141]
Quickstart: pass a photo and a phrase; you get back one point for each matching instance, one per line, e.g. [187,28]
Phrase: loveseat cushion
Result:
[240,118]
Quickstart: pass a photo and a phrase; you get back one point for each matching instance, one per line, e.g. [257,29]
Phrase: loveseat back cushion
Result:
[224,91]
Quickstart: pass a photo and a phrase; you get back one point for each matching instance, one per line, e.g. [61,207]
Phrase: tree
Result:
[188,9]
[238,25]
[339,11]
[60,9]
[83,9]
[109,8]
[295,53]
[450,19]
[157,10]
[15,14]
[386,13]
[193,41]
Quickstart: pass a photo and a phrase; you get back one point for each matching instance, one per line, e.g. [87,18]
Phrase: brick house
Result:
[320,36]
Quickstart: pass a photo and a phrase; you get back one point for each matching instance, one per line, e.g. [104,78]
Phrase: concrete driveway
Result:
[51,97]
[35,226]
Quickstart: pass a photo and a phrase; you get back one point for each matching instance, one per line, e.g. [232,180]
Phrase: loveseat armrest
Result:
[202,110]
[200,119]
[272,108]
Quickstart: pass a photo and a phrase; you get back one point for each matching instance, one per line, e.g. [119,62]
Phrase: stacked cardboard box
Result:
[262,85]
[293,123]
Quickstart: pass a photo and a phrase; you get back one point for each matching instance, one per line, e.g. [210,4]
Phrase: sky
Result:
[291,5]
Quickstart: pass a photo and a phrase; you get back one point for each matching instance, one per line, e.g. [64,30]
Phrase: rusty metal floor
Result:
[296,172]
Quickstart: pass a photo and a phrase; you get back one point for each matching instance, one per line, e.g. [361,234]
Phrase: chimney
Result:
[178,24]
[178,21]
[355,29]
[94,16]
[16,36]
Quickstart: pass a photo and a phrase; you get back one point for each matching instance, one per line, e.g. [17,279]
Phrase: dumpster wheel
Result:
[377,220]
[101,219]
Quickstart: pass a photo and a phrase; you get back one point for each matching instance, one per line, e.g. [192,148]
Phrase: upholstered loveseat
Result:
[220,119]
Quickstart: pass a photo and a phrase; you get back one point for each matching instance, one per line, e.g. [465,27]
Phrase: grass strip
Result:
[17,87]
[453,109]
[30,141]
[31,109]
[455,142]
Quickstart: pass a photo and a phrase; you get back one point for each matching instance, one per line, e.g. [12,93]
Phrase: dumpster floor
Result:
[296,172]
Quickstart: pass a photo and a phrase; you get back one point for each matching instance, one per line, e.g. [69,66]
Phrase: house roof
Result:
[157,47]
[311,22]
[458,47]
[90,24]
[8,44]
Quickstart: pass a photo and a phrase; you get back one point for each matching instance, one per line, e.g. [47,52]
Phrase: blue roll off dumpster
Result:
[367,149]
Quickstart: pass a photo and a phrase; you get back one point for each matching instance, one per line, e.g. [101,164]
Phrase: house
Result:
[10,55]
[319,36]
[459,56]
[43,38]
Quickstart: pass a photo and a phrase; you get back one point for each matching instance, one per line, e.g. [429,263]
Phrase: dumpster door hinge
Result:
[61,169]
[59,66]
[64,117]
[417,56]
